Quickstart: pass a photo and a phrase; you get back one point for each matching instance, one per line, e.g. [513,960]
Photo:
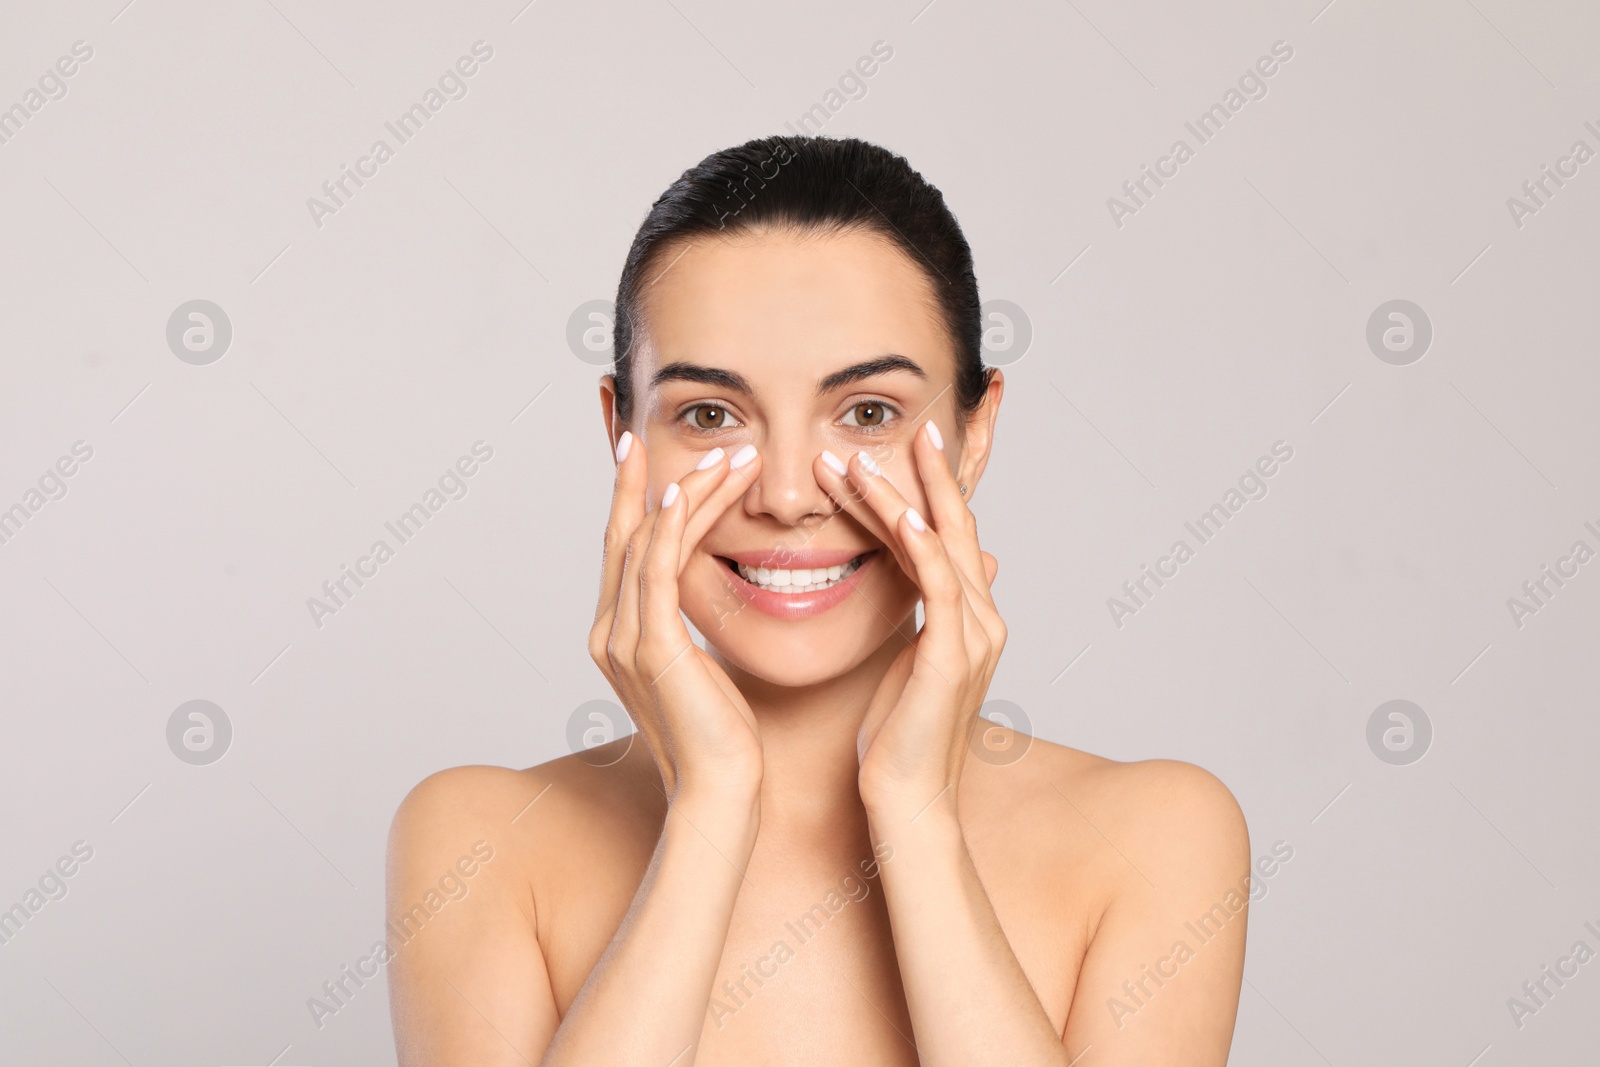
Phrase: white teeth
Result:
[798,580]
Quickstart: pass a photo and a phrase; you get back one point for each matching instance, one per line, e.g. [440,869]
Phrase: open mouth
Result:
[796,580]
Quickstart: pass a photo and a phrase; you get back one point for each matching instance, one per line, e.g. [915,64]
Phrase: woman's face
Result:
[793,344]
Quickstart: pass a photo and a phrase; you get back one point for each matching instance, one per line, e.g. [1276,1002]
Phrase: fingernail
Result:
[624,443]
[670,495]
[835,464]
[869,464]
[709,459]
[914,519]
[933,435]
[743,456]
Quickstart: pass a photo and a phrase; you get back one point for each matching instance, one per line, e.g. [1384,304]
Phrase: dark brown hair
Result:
[813,185]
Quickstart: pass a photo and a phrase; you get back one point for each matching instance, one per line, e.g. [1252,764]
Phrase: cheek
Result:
[667,465]
[706,594]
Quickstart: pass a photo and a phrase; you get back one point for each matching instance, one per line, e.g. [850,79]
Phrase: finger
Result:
[627,511]
[984,615]
[625,624]
[944,595]
[860,490]
[663,636]
[887,504]
[951,516]
[711,488]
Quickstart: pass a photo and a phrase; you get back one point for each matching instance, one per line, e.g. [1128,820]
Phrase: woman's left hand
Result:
[913,740]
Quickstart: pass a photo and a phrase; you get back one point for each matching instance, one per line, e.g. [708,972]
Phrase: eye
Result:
[709,417]
[870,415]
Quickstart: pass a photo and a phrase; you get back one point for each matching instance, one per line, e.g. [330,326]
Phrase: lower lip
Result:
[798,605]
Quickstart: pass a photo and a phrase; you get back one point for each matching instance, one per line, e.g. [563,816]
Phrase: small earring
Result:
[963,488]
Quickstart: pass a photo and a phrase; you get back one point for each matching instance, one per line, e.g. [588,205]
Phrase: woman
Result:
[798,862]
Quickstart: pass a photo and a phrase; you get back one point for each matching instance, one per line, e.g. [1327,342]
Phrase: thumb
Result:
[991,566]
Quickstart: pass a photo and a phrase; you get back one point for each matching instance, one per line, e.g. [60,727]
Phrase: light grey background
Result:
[1168,354]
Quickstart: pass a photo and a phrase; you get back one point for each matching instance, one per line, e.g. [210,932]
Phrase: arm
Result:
[1160,981]
[1140,999]
[969,1000]
[468,982]
[645,1001]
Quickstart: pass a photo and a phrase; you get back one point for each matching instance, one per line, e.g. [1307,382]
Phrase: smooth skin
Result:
[798,858]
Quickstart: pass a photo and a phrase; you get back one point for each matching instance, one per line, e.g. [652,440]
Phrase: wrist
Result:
[895,803]
[924,845]
[713,782]
[727,815]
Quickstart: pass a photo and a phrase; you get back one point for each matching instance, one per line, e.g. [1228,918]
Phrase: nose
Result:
[787,491]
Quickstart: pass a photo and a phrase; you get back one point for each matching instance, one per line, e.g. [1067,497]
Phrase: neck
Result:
[808,739]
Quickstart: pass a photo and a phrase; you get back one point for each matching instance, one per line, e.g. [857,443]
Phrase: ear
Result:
[608,410]
[980,435]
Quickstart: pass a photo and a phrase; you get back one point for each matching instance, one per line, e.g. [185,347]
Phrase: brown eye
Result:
[710,417]
[868,413]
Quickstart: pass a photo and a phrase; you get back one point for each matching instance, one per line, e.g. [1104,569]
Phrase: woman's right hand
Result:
[699,728]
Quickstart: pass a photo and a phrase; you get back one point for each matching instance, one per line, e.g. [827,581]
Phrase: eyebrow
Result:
[868,369]
[871,368]
[693,372]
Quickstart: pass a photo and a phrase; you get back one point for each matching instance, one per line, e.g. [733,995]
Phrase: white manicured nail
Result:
[709,459]
[670,495]
[624,443]
[741,457]
[869,464]
[914,519]
[933,435]
[835,464]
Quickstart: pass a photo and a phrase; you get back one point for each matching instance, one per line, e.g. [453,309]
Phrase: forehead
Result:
[781,306]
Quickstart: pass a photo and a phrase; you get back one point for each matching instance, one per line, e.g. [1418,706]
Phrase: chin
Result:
[797,639]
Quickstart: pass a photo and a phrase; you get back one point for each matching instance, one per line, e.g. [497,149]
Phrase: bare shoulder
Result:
[1177,807]
[480,859]
[1159,821]
[527,815]
[459,797]
[1146,864]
